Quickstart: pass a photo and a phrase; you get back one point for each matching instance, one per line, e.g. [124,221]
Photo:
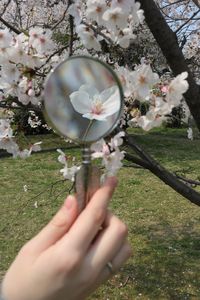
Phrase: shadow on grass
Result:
[168,267]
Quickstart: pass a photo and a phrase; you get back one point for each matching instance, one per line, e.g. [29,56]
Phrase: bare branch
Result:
[170,4]
[59,51]
[63,17]
[12,28]
[5,8]
[190,181]
[187,21]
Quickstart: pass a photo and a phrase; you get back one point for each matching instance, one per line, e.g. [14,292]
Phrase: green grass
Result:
[163,226]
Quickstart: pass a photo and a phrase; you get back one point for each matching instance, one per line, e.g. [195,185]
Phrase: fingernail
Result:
[69,202]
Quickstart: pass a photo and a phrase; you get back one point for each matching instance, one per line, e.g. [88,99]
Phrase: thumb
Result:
[56,228]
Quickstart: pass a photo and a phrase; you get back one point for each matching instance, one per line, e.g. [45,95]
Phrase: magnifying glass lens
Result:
[83,99]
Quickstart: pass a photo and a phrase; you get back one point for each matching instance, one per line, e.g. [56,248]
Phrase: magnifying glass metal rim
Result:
[121,95]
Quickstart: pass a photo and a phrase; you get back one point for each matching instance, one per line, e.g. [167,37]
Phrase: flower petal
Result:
[81,102]
[92,116]
[89,89]
[112,104]
[108,93]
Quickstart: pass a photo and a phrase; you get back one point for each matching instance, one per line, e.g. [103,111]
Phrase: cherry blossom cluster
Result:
[112,20]
[144,85]
[69,167]
[8,143]
[109,152]
[21,58]
[27,58]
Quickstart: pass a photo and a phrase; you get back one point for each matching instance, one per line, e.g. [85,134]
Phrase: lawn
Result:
[163,226]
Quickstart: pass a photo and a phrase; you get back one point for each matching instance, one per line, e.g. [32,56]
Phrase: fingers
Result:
[56,228]
[120,258]
[109,269]
[90,220]
[107,244]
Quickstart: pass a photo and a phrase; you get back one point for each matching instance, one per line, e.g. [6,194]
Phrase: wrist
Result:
[1,293]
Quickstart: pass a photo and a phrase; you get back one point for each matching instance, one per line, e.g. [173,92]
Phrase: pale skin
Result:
[67,259]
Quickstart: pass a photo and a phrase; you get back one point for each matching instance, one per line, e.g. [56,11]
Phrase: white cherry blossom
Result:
[88,37]
[137,14]
[95,105]
[68,172]
[124,37]
[115,18]
[190,134]
[76,10]
[110,153]
[5,129]
[113,162]
[142,80]
[125,5]
[10,73]
[40,39]
[95,10]
[124,75]
[177,88]
[150,120]
[36,147]
[4,55]
[62,158]
[5,38]
[100,149]
[117,140]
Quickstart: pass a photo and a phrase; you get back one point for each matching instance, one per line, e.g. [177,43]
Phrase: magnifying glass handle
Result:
[86,184]
[87,180]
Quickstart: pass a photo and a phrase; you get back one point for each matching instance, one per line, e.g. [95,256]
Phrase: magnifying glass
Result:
[83,101]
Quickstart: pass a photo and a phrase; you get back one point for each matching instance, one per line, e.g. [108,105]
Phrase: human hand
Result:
[68,259]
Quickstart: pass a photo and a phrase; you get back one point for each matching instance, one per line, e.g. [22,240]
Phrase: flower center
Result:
[42,40]
[97,107]
[99,9]
[142,79]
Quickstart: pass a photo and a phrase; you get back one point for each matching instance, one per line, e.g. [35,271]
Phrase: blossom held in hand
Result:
[68,172]
[94,105]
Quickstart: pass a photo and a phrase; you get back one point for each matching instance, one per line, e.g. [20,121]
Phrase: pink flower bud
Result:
[31,93]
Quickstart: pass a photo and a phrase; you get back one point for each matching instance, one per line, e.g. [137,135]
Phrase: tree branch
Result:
[166,176]
[5,7]
[177,30]
[63,17]
[12,28]
[197,3]
[190,181]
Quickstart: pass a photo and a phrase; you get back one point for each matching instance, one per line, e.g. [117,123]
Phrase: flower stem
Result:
[87,130]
